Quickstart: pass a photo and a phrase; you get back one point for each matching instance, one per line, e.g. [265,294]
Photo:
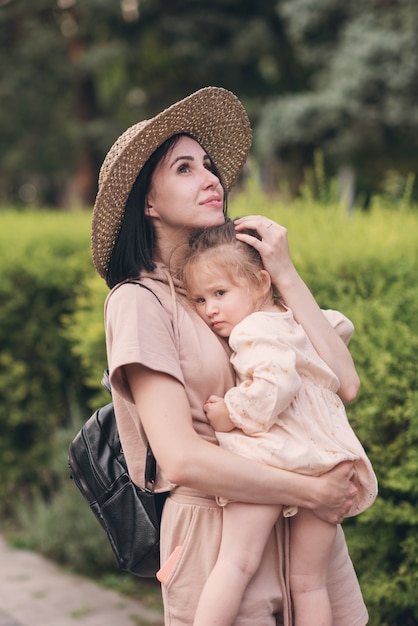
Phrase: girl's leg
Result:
[245,531]
[311,541]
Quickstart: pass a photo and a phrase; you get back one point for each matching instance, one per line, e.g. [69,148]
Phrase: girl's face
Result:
[185,193]
[221,303]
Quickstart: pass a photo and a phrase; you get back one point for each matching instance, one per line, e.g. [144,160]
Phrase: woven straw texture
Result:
[213,116]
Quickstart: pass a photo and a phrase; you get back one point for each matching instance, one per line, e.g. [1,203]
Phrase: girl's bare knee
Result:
[245,563]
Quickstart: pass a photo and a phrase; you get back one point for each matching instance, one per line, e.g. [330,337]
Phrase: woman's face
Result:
[184,191]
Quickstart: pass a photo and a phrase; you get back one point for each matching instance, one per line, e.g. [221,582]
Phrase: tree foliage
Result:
[358,102]
[312,74]
[76,74]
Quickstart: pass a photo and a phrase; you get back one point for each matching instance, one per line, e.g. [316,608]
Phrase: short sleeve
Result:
[138,330]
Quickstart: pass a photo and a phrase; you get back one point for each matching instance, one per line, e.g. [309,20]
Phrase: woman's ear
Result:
[149,209]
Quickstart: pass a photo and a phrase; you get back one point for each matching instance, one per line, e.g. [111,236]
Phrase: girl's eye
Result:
[199,300]
[220,292]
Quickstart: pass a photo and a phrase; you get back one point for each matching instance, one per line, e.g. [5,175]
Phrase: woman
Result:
[163,179]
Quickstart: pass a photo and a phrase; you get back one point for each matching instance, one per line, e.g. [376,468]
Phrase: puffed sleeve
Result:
[341,323]
[267,380]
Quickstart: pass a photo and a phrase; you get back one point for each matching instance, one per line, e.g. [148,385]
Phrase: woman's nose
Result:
[211,178]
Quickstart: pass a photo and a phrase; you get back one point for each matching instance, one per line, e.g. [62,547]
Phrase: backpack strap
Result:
[150,462]
[105,382]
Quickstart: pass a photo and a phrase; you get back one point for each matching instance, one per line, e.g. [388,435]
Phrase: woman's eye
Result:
[184,167]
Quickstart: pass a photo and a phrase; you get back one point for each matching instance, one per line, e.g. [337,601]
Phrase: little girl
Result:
[284,411]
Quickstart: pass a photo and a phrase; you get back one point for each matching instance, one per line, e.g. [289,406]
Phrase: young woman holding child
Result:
[162,180]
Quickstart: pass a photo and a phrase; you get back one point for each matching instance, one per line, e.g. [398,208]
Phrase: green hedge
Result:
[43,261]
[52,356]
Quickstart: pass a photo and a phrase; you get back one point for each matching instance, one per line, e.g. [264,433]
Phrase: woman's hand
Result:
[336,493]
[274,251]
[273,247]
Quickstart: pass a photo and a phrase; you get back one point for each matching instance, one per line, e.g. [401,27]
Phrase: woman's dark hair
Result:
[134,246]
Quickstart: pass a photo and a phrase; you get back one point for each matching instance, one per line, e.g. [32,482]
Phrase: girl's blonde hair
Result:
[217,246]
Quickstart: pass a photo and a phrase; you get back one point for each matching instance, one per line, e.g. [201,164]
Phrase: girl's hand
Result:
[337,493]
[218,415]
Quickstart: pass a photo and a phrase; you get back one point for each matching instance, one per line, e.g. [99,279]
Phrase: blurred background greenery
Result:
[331,90]
[341,77]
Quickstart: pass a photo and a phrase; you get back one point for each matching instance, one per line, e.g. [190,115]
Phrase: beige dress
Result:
[171,338]
[285,404]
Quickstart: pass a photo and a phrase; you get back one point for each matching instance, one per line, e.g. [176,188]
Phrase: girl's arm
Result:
[268,380]
[188,460]
[274,251]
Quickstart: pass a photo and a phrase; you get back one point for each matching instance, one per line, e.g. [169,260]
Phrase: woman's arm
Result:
[274,251]
[189,460]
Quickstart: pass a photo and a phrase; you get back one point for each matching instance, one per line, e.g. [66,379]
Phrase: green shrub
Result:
[65,530]
[44,259]
[84,329]
[52,357]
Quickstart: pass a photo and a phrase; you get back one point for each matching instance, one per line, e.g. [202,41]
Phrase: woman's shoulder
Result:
[135,300]
[129,291]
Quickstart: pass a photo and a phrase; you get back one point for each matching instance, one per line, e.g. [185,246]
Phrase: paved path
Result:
[7,620]
[35,592]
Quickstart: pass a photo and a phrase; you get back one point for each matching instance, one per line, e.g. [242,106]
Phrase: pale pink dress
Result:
[285,404]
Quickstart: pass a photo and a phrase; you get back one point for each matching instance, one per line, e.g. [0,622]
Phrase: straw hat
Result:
[213,116]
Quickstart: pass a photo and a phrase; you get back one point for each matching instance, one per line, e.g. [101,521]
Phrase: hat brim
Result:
[213,116]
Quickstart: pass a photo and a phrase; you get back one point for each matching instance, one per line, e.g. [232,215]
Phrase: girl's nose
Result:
[211,308]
